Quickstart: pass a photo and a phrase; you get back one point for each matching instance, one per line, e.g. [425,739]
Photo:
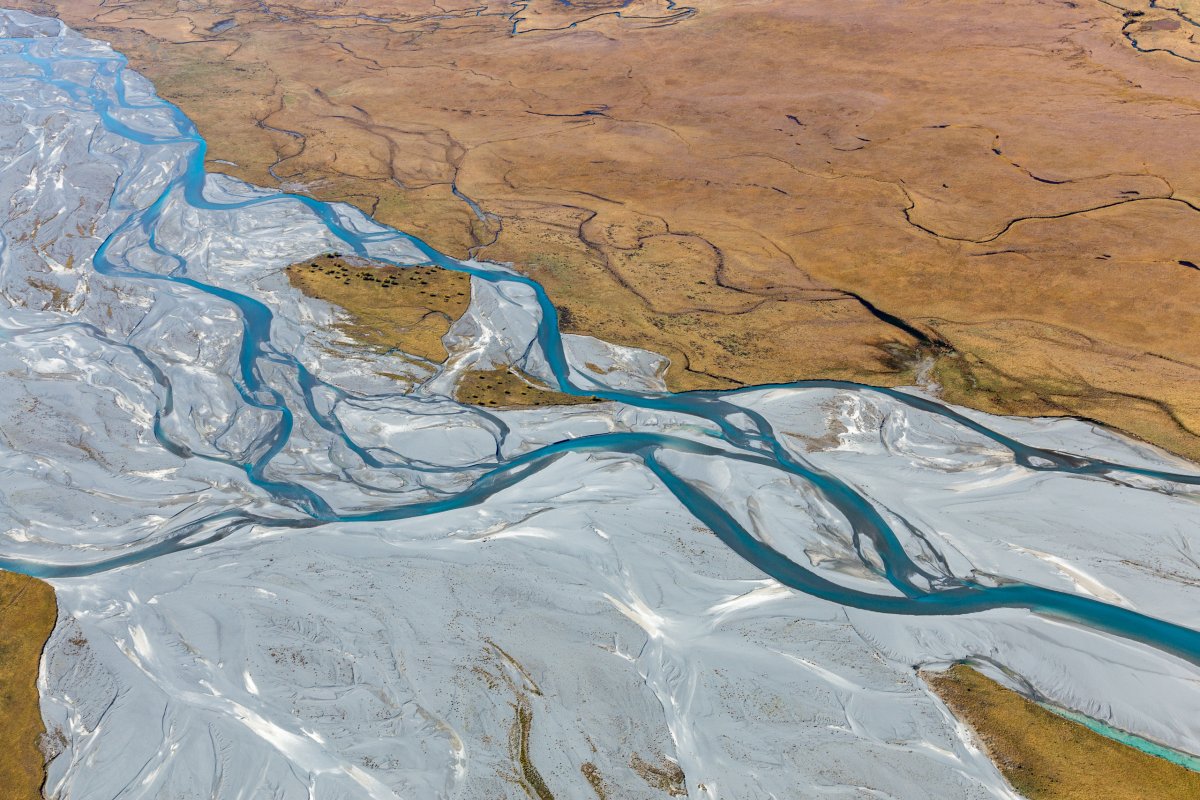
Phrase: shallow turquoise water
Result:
[750,435]
[1137,742]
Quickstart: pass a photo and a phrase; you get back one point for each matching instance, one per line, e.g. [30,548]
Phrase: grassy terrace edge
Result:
[28,612]
[1047,757]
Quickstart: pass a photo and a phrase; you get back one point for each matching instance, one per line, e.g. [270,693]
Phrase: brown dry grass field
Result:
[764,190]
[27,615]
[388,307]
[411,310]
[1046,757]
[510,388]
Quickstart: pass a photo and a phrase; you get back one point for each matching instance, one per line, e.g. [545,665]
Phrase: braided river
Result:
[279,571]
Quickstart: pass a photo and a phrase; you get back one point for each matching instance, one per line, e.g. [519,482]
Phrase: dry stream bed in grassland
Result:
[1018,186]
[1047,757]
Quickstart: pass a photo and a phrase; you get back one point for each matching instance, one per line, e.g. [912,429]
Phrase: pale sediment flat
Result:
[279,575]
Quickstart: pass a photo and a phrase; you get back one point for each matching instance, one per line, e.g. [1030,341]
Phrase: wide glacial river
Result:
[745,431]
